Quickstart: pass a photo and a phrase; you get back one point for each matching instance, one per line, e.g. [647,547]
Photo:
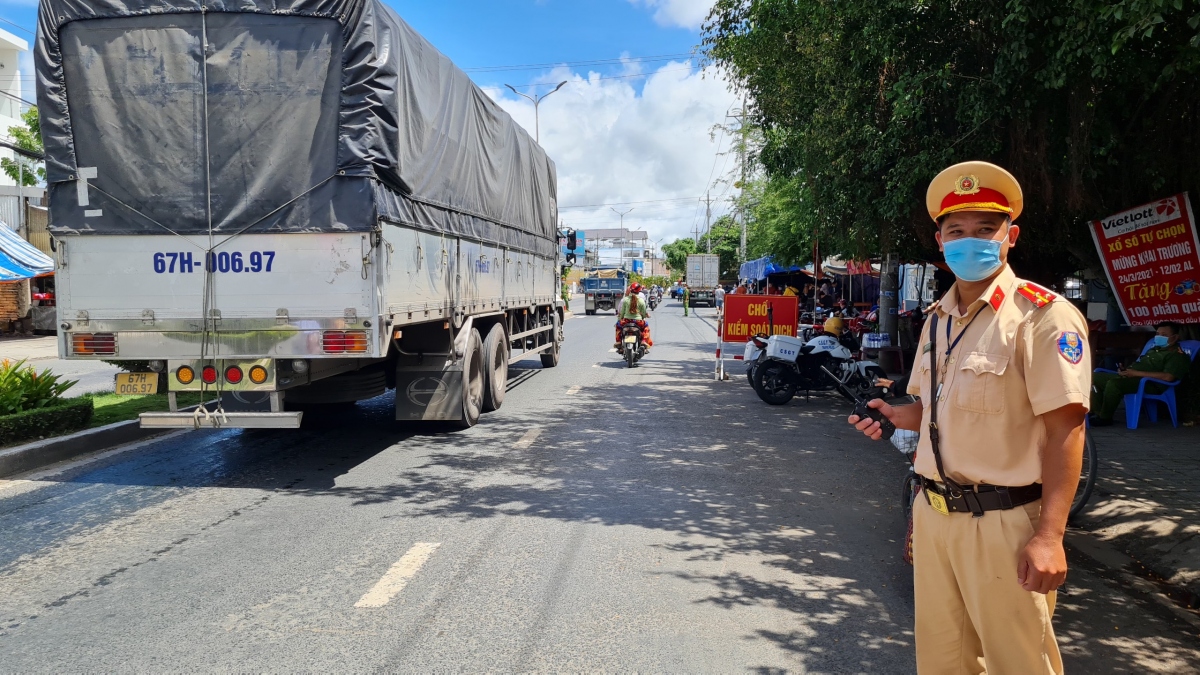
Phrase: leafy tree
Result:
[677,253]
[1093,104]
[725,234]
[28,137]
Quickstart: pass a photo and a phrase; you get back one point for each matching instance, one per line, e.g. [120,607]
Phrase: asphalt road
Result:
[615,519]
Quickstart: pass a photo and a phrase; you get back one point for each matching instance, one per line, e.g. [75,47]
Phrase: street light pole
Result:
[624,232]
[537,101]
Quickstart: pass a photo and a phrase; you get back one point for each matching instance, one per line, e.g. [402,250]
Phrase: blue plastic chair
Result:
[1133,402]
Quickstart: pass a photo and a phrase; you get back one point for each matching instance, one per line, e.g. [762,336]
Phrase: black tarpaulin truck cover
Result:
[276,116]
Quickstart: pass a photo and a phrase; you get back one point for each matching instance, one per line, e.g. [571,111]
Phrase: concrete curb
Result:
[42,453]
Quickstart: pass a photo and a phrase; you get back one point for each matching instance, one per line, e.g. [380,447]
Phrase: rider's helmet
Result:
[635,288]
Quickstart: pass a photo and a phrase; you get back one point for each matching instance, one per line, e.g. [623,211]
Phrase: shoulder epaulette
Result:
[1039,296]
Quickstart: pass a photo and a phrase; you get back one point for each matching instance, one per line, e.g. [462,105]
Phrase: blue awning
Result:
[19,259]
[757,270]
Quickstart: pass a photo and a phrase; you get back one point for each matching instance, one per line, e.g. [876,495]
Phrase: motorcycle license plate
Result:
[629,339]
[136,384]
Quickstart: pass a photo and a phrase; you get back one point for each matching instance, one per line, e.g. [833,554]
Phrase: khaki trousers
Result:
[972,615]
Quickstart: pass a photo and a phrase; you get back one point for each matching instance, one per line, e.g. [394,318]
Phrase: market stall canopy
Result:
[758,270]
[19,259]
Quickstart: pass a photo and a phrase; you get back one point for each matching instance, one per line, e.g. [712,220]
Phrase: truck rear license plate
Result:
[137,384]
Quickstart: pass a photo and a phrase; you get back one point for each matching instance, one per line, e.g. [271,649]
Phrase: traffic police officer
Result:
[1003,377]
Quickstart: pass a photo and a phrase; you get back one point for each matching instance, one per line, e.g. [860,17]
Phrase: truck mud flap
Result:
[429,395]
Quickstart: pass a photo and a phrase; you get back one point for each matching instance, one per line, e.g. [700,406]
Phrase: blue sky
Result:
[634,131]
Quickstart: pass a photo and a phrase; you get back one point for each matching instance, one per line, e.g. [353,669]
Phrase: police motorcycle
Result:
[788,365]
[632,346]
[755,347]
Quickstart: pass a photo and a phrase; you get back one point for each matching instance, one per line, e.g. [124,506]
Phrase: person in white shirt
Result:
[719,294]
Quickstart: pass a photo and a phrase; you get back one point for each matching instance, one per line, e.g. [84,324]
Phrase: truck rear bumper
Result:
[220,420]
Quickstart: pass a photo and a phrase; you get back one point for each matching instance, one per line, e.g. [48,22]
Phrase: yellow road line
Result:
[528,439]
[397,577]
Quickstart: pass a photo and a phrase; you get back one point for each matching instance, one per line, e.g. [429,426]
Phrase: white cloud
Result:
[681,13]
[612,144]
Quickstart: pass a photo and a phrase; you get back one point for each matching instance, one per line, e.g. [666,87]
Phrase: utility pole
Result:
[537,101]
[624,232]
[708,218]
[741,118]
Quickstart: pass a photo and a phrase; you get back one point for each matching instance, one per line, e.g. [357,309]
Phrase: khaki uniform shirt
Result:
[1016,362]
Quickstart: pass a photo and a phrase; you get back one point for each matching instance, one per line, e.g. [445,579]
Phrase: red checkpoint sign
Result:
[1150,256]
[747,315]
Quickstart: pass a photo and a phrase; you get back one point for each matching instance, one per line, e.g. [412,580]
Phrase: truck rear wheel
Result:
[495,367]
[550,356]
[472,382]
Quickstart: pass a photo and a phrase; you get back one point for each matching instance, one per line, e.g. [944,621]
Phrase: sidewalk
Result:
[42,352]
[1147,499]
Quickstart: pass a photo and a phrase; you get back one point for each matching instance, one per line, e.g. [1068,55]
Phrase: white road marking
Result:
[574,390]
[396,578]
[528,439]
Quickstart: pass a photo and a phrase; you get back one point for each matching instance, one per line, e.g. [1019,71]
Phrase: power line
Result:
[18,26]
[645,201]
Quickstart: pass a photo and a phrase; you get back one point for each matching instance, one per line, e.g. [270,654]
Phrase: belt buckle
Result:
[938,502]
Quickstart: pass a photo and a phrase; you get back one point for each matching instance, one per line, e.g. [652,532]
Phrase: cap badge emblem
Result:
[966,185]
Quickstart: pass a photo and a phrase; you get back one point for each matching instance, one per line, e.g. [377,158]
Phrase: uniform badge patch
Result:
[1070,346]
[997,299]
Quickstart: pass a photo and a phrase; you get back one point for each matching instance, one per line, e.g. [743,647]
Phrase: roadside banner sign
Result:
[1151,255]
[748,315]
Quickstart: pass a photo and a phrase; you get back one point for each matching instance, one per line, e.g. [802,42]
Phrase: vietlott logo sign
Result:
[1149,215]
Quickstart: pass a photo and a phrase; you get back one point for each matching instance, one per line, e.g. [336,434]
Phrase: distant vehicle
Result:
[603,289]
[703,273]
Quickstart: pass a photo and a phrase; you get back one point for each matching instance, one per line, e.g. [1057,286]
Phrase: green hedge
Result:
[61,417]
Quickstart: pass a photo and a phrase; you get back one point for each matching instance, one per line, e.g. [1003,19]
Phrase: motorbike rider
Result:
[634,309]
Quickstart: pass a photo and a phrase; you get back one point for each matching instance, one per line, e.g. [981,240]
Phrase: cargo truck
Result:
[291,208]
[603,289]
[703,273]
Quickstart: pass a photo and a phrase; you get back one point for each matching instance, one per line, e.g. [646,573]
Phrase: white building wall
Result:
[11,107]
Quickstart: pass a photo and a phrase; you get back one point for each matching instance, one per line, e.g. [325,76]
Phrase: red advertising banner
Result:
[1151,256]
[749,315]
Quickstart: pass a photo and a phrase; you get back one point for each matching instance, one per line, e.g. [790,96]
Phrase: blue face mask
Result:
[973,259]
[1161,340]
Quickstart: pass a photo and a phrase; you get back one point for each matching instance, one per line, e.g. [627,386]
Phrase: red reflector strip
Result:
[344,342]
[102,344]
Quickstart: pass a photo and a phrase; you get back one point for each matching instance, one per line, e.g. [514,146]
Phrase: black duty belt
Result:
[958,499]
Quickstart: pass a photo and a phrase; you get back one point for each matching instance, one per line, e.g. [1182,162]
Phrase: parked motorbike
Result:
[789,365]
[632,346]
[755,347]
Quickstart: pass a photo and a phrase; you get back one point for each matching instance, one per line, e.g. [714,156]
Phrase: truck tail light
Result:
[208,374]
[185,375]
[344,342]
[258,374]
[233,375]
[94,344]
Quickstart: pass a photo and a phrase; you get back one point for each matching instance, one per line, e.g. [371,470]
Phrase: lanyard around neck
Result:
[952,345]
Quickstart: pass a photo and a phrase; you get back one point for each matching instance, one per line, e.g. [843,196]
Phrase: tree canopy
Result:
[1092,104]
[28,137]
